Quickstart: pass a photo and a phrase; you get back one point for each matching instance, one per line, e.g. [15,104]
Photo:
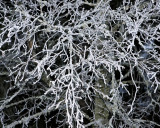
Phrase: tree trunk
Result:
[101,104]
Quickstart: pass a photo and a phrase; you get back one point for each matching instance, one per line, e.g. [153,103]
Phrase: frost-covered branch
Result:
[80,63]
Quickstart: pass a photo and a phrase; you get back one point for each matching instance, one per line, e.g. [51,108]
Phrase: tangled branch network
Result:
[80,63]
